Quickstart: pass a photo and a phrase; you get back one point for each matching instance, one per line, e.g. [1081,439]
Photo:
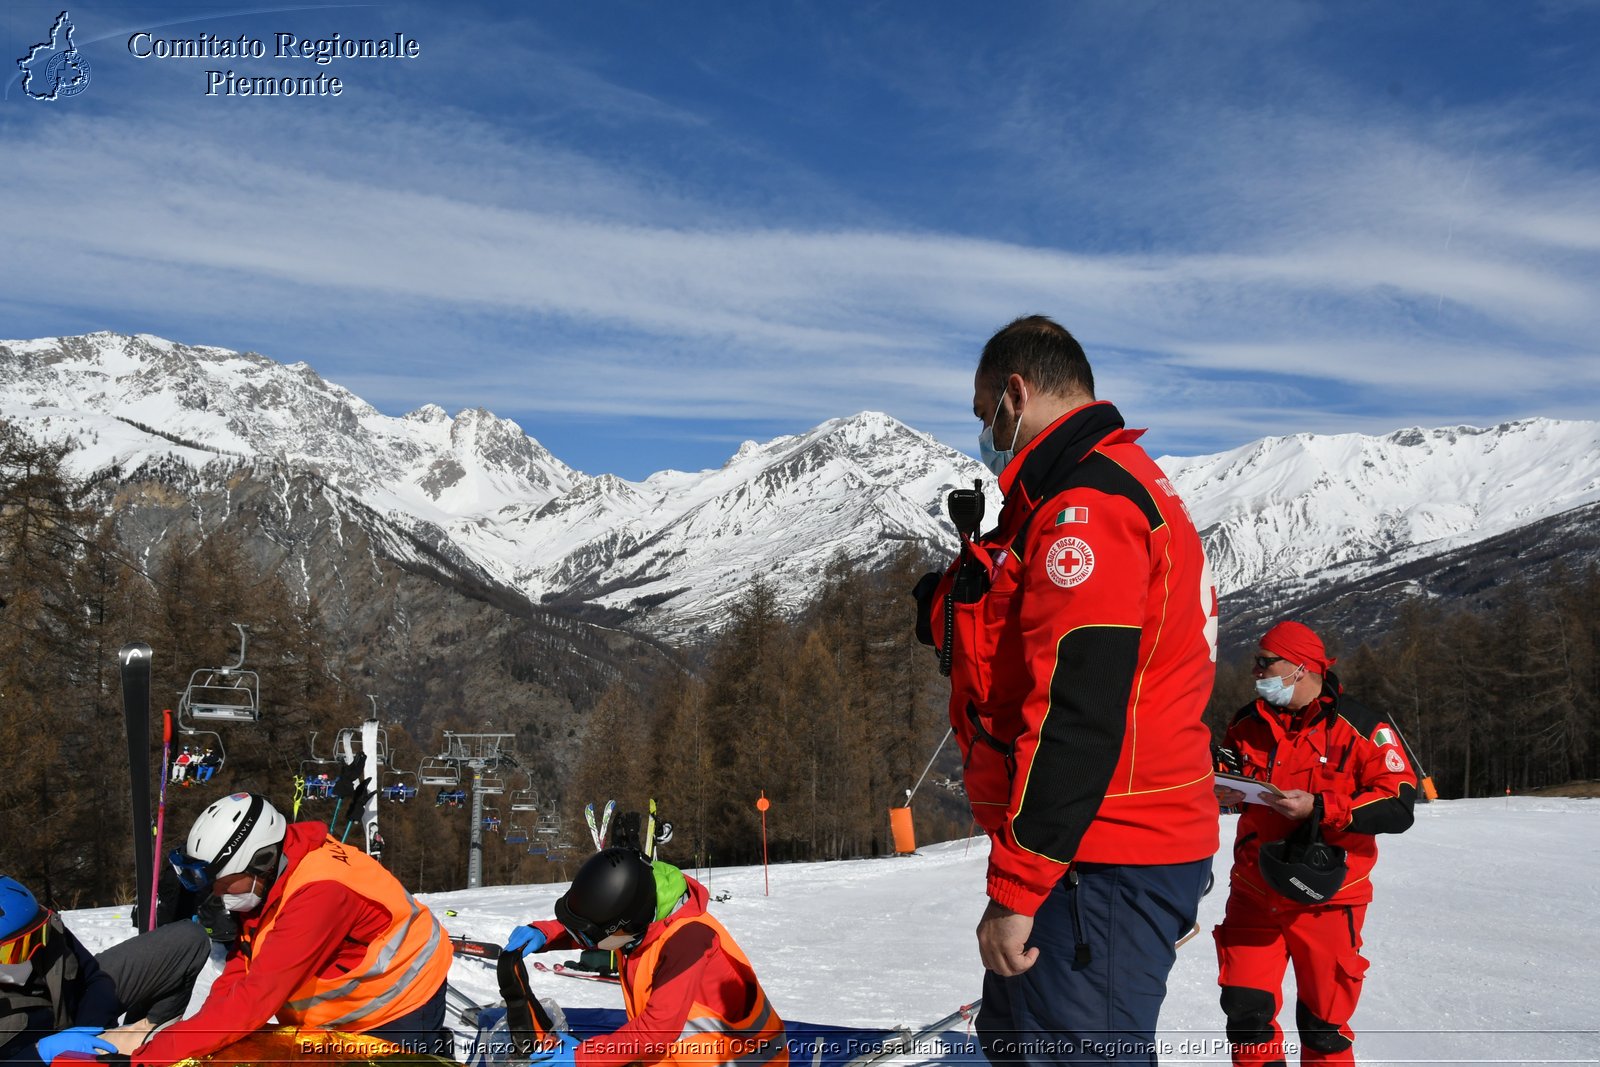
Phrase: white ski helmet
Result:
[229,836]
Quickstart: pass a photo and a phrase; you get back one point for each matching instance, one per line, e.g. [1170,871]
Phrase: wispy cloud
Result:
[1378,267]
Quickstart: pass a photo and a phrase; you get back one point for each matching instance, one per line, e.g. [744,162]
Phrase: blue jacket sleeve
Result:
[97,994]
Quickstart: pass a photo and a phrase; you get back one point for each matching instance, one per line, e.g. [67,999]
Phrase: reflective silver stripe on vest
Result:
[385,957]
[765,1052]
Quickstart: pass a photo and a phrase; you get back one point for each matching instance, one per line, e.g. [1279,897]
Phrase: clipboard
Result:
[1251,788]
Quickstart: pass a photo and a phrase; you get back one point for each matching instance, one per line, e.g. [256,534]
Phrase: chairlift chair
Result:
[516,835]
[230,694]
[524,800]
[398,789]
[549,823]
[196,771]
[435,771]
[491,786]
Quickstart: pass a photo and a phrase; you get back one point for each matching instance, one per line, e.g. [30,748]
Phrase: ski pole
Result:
[161,816]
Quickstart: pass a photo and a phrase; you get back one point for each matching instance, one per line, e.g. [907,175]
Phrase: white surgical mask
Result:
[240,902]
[1275,690]
[993,458]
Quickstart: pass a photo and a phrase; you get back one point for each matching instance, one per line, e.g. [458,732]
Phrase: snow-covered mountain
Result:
[478,487]
[1284,512]
[1280,514]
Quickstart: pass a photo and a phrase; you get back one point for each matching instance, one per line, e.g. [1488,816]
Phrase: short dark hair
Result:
[1043,352]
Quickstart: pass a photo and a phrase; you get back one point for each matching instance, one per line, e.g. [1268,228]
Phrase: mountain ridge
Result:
[1282,517]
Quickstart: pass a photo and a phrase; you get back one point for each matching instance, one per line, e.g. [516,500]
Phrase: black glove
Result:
[217,921]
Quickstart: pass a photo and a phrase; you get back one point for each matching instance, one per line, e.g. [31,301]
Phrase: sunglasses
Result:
[20,946]
[194,875]
[1263,662]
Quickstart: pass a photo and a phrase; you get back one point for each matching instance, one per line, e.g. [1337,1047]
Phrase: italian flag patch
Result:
[1383,736]
[1072,515]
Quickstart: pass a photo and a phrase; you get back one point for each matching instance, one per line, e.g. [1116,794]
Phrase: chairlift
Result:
[318,784]
[399,790]
[524,800]
[538,850]
[201,766]
[549,823]
[491,786]
[230,694]
[516,835]
[438,771]
[453,797]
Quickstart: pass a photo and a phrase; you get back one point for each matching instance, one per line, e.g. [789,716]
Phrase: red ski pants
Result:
[1256,942]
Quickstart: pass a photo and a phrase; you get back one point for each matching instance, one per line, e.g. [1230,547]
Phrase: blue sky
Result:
[649,231]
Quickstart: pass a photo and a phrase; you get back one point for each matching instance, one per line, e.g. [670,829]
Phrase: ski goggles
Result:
[584,932]
[20,946]
[194,875]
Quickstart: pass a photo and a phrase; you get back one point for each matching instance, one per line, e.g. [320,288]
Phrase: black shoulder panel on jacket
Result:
[1099,471]
[1080,739]
[1358,715]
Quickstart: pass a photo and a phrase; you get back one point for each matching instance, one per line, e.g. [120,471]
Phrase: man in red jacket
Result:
[327,939]
[1080,640]
[1344,765]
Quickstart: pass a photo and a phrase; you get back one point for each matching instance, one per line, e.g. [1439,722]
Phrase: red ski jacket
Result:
[1339,749]
[329,932]
[1082,650]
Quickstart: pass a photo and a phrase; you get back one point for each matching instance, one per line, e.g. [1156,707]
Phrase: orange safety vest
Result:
[709,1040]
[401,970]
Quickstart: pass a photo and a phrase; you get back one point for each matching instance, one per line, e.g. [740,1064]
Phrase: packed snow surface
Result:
[1483,940]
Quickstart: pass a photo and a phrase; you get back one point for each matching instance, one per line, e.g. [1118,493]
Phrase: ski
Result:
[906,1040]
[572,972]
[134,659]
[605,822]
[649,840]
[594,827]
[485,951]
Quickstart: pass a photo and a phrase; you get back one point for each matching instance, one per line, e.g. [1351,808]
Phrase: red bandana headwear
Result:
[1296,643]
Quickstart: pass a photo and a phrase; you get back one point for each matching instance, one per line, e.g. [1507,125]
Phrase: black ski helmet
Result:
[1304,867]
[613,892]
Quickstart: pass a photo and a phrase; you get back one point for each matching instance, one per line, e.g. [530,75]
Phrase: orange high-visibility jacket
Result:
[338,943]
[401,970]
[709,1038]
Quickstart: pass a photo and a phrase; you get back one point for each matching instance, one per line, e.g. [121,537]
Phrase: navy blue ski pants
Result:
[1105,941]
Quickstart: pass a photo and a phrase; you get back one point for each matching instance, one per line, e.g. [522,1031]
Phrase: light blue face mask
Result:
[1275,690]
[992,457]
